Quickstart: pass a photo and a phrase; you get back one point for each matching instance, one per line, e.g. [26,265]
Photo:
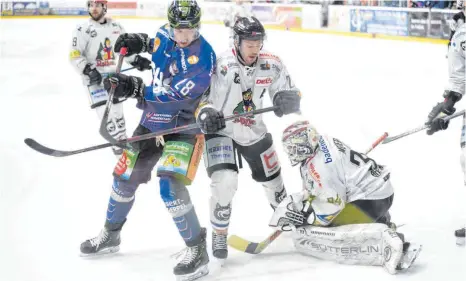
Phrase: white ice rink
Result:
[354,89]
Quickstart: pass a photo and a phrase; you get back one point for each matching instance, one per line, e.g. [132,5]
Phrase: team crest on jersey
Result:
[246,105]
[105,54]
[224,70]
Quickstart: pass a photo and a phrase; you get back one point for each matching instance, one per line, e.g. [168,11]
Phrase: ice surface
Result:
[353,88]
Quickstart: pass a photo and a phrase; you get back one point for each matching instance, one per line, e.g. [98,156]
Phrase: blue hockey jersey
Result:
[180,78]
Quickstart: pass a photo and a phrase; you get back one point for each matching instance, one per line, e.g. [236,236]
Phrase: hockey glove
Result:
[94,75]
[289,213]
[288,102]
[135,42]
[447,107]
[141,63]
[210,120]
[126,86]
[226,23]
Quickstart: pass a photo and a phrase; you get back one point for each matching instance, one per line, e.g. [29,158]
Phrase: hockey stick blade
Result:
[249,247]
[61,153]
[418,129]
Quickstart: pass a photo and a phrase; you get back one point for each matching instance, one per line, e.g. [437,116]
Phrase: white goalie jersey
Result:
[93,42]
[456,61]
[236,88]
[337,175]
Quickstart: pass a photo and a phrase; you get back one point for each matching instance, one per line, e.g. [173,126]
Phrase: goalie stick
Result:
[60,153]
[423,127]
[250,247]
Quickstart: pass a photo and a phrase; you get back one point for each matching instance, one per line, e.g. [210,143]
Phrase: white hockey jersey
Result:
[93,42]
[456,61]
[236,88]
[337,175]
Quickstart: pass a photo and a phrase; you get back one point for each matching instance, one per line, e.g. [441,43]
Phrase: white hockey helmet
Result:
[300,141]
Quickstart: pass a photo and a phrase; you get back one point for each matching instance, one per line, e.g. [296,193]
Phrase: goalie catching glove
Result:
[447,107]
[126,86]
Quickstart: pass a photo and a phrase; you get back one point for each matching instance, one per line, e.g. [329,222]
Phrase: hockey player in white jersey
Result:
[244,76]
[93,58]
[239,9]
[342,213]
[453,93]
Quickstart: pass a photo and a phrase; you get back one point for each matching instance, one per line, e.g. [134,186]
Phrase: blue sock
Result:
[178,202]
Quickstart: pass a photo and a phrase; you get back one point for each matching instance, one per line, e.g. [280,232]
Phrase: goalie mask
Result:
[300,141]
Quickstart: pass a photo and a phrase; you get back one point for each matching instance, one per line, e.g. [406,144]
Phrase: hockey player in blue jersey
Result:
[184,63]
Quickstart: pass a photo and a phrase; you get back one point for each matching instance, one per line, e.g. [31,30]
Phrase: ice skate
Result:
[195,261]
[107,242]
[219,246]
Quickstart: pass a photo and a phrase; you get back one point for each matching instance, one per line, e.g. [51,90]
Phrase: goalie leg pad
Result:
[357,244]
[224,184]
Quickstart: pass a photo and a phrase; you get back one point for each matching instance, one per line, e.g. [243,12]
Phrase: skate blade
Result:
[200,272]
[106,251]
[460,241]
[410,257]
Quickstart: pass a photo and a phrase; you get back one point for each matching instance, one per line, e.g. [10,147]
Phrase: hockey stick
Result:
[108,106]
[423,127]
[250,247]
[60,153]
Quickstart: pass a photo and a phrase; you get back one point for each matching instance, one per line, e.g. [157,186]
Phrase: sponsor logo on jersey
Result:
[75,54]
[340,146]
[246,105]
[105,54]
[183,61]
[463,45]
[315,175]
[324,148]
[264,81]
[156,44]
[193,59]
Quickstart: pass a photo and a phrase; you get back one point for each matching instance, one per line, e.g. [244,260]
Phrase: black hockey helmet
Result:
[248,28]
[184,14]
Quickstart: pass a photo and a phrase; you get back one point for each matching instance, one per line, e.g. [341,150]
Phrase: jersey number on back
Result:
[356,158]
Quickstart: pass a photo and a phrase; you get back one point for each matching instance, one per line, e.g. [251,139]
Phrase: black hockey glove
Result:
[226,23]
[288,102]
[141,63]
[210,120]
[135,42]
[94,75]
[127,86]
[446,107]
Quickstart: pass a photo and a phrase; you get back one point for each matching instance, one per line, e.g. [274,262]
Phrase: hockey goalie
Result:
[342,213]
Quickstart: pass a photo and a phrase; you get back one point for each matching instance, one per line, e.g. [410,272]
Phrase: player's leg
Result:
[133,168]
[265,167]
[357,244]
[220,162]
[177,169]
